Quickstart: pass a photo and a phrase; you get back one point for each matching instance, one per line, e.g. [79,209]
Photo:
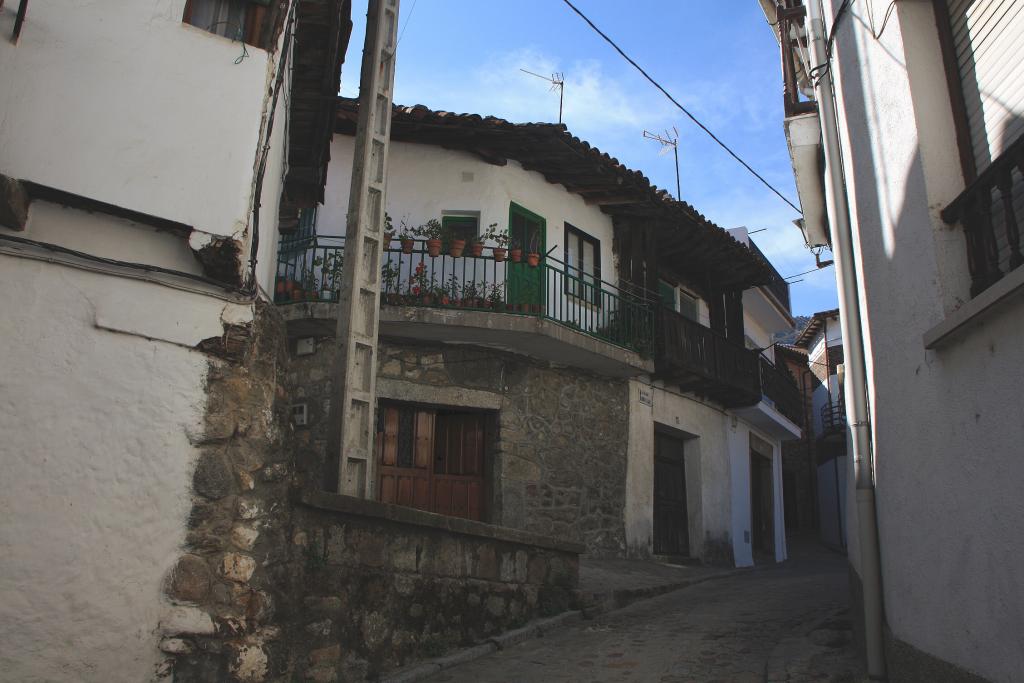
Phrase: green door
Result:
[527,231]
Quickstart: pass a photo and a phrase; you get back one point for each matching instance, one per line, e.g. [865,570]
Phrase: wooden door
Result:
[405,447]
[525,284]
[761,504]
[458,482]
[671,525]
[432,460]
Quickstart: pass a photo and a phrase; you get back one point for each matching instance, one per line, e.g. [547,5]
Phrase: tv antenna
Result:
[668,140]
[557,81]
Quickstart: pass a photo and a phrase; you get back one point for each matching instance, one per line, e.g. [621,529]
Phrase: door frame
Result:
[520,273]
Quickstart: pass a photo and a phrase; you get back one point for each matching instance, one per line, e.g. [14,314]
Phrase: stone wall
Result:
[229,582]
[559,455]
[378,586]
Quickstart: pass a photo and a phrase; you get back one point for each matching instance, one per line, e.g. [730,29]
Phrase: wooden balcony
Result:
[704,362]
[987,211]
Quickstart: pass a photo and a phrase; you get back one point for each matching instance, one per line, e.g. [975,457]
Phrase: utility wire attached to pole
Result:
[682,108]
[557,80]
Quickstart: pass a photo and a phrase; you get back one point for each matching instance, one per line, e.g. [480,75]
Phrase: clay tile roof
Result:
[813,326]
[688,244]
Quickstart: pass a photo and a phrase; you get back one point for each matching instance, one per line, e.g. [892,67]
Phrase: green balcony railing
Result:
[309,269]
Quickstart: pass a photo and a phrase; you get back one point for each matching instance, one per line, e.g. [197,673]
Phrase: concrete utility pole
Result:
[355,363]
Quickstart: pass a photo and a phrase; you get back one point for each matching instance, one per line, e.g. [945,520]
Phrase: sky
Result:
[719,59]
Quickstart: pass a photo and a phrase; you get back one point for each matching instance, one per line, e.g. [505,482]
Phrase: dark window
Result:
[582,265]
[460,227]
[241,20]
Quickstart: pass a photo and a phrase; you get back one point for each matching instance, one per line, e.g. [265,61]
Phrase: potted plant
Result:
[515,251]
[431,232]
[500,238]
[533,256]
[476,245]
[389,275]
[389,230]
[495,297]
[420,288]
[407,238]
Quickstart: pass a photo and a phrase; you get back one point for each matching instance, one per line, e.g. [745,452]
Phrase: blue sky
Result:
[719,59]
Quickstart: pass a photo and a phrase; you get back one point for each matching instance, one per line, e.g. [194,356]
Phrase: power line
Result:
[682,108]
[812,270]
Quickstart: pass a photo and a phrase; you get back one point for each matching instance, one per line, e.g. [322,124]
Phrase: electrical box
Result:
[299,418]
[305,346]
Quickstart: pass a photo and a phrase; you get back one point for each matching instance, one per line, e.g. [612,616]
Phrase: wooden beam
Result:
[14,202]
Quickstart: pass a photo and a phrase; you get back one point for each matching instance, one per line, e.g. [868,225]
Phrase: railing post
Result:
[1012,232]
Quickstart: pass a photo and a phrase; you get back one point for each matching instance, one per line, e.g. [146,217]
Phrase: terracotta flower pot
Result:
[456,248]
[298,294]
[392,299]
[499,254]
[532,260]
[516,255]
[476,249]
[388,237]
[434,247]
[407,245]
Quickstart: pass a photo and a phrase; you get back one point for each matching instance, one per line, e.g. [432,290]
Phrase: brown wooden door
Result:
[432,460]
[671,526]
[761,504]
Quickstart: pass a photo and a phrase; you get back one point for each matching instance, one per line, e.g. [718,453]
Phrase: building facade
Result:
[142,174]
[611,401]
[928,126]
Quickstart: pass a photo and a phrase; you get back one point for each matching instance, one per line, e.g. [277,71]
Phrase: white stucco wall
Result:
[947,427]
[639,509]
[97,460]
[124,103]
[426,180]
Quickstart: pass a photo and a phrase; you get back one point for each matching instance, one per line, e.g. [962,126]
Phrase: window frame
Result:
[584,237]
[452,218]
[253,32]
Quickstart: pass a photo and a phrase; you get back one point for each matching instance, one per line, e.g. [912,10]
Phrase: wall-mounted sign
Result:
[647,396]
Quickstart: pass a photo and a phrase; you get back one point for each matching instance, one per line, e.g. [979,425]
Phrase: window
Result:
[669,295]
[461,227]
[688,306]
[582,265]
[432,459]
[235,19]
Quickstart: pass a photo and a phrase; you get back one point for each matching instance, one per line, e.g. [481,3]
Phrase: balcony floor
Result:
[523,334]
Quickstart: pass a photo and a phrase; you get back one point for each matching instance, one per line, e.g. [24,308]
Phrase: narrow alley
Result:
[781,623]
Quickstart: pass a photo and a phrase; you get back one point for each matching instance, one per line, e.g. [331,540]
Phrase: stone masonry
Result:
[559,456]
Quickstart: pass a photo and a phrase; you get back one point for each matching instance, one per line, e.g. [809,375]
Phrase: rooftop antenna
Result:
[557,81]
[668,140]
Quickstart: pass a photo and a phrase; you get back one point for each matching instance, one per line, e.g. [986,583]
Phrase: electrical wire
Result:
[682,108]
[820,71]
[812,270]
[408,18]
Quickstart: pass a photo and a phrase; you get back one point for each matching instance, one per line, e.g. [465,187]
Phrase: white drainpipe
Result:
[856,370]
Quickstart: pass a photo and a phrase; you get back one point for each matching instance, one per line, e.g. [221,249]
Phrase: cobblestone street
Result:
[747,627]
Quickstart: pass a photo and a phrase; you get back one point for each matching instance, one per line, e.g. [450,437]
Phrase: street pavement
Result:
[751,626]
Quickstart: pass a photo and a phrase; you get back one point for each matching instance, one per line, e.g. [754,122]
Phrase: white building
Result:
[930,116]
[139,165]
[700,473]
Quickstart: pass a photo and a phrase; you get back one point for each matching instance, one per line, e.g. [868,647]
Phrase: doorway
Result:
[762,504]
[671,524]
[526,284]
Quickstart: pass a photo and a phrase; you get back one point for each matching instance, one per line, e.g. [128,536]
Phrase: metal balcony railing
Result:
[310,269]
[990,223]
[833,416]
